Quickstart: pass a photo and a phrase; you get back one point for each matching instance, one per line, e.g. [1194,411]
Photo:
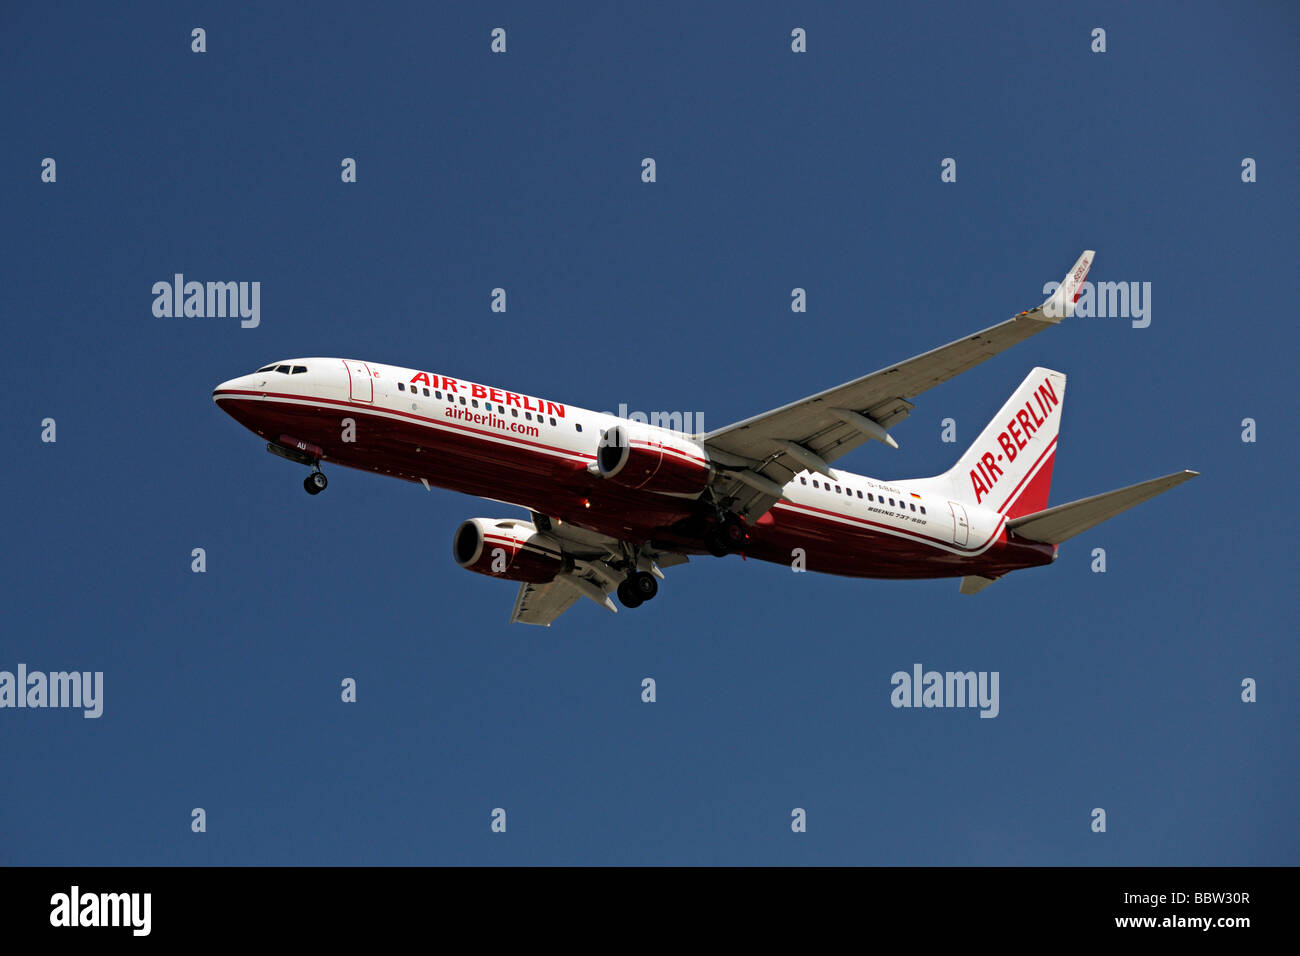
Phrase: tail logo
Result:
[1014,438]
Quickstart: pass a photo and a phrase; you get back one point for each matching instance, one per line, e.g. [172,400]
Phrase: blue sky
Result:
[775,170]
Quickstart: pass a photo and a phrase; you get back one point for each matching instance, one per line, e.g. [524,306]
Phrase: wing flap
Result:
[541,604]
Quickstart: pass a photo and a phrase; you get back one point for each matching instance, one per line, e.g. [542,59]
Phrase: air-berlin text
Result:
[1014,438]
[454,387]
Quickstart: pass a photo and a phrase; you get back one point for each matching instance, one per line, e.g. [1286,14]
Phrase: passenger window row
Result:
[874,499]
[487,406]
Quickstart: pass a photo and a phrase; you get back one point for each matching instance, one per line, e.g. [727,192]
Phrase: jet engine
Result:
[653,461]
[508,548]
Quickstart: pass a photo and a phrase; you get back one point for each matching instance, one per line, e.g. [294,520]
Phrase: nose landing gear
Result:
[304,453]
[316,482]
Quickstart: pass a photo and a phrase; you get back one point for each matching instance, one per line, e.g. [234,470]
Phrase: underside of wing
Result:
[542,603]
[595,566]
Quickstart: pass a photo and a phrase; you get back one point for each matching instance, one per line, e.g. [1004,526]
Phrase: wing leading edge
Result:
[759,455]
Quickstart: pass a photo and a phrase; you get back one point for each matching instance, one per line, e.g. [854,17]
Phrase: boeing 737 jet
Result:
[612,501]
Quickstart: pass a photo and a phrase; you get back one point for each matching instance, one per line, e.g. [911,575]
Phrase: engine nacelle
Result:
[653,461]
[508,548]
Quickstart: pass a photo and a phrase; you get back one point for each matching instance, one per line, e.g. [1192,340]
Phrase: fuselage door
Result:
[960,524]
[362,387]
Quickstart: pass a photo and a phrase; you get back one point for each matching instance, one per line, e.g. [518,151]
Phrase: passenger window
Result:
[401,386]
[803,481]
[913,507]
[462,399]
[437,394]
[870,496]
[922,509]
[859,493]
[426,392]
[514,412]
[552,421]
[578,426]
[891,502]
[815,485]
[528,415]
[837,489]
[474,402]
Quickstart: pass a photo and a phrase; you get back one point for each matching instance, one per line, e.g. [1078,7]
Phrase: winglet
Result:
[1061,303]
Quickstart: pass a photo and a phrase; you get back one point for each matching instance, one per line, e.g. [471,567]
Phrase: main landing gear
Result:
[637,588]
[728,535]
[316,482]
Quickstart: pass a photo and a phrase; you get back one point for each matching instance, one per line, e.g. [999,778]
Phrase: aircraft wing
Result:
[592,575]
[543,603]
[758,456]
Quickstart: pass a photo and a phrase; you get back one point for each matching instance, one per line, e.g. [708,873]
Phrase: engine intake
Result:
[652,461]
[508,548]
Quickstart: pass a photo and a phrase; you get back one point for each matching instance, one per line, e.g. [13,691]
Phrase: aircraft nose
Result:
[231,385]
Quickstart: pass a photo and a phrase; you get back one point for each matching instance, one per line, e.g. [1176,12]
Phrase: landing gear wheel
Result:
[643,584]
[315,483]
[733,532]
[627,595]
[717,547]
[727,536]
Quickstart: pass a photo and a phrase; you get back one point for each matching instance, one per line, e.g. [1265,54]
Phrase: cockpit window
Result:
[299,369]
[283,369]
[266,368]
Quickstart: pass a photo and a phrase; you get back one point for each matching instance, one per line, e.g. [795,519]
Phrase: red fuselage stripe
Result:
[433,422]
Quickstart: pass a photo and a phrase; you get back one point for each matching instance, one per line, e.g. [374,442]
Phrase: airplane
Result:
[612,501]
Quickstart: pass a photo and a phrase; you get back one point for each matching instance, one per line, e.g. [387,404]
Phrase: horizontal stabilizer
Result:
[1065,521]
